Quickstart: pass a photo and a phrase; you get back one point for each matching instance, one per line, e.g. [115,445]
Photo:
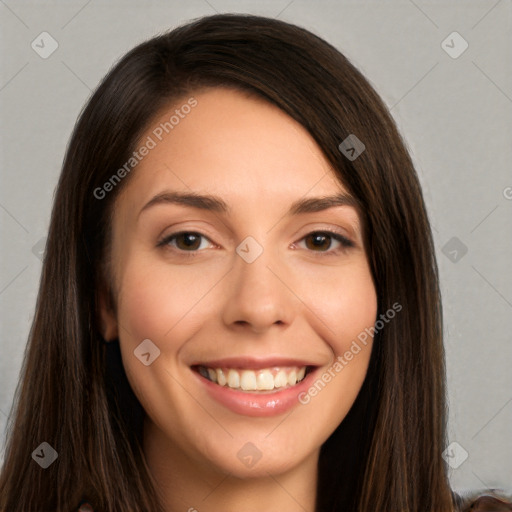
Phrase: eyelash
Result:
[345,242]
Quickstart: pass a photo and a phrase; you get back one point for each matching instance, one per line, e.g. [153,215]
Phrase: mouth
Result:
[252,386]
[260,381]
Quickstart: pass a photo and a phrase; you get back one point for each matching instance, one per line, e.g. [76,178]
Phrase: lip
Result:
[253,363]
[256,403]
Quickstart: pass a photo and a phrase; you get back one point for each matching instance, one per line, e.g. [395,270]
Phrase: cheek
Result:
[357,308]
[155,298]
[159,302]
[143,303]
[165,304]
[344,302]
[348,310]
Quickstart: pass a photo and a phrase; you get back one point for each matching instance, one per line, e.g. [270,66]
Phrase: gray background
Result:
[455,114]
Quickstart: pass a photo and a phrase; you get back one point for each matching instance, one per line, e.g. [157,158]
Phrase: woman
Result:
[239,304]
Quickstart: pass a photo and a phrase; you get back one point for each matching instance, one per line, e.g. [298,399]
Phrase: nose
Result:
[257,296]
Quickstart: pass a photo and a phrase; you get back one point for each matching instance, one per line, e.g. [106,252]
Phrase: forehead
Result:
[232,144]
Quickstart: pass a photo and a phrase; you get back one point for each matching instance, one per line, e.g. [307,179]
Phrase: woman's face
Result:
[249,293]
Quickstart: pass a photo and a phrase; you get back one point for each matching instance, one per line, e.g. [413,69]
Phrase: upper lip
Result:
[253,363]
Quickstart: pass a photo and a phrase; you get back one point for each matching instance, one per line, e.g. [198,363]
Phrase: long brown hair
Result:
[73,393]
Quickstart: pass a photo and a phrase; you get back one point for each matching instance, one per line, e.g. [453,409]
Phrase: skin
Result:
[294,300]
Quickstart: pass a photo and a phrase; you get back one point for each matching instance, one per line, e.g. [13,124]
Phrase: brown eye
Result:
[322,242]
[318,241]
[185,241]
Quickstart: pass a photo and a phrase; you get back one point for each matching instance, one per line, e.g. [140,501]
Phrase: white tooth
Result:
[265,380]
[292,378]
[233,379]
[212,374]
[248,381]
[280,380]
[221,378]
[301,373]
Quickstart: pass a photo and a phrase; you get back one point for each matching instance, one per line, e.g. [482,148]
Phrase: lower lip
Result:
[257,404]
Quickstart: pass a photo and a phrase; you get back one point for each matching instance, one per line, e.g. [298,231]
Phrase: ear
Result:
[106,314]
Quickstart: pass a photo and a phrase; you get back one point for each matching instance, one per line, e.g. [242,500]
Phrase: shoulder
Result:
[490,500]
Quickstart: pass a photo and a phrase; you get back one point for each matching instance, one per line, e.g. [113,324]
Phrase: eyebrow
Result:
[218,205]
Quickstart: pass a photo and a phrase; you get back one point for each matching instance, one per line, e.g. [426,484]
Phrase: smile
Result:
[261,380]
[254,386]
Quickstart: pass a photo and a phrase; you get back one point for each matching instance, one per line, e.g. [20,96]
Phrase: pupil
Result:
[189,239]
[320,241]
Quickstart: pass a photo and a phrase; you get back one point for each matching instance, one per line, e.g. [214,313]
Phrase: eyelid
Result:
[166,239]
[345,241]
